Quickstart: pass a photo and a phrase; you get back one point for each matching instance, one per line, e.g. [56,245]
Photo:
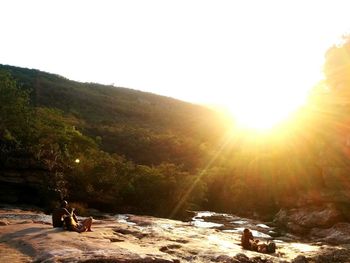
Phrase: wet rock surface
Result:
[27,236]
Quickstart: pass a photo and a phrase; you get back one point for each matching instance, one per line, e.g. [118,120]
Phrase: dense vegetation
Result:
[143,153]
[138,152]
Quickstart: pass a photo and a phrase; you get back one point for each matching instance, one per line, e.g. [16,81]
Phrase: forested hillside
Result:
[133,147]
[146,128]
[129,151]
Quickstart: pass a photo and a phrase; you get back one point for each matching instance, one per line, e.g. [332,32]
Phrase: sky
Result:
[210,52]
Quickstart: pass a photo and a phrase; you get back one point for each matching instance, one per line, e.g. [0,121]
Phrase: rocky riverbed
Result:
[27,236]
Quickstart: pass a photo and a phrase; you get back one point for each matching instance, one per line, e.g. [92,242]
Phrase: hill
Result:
[137,151]
[145,128]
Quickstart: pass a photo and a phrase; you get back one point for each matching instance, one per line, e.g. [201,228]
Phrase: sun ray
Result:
[227,139]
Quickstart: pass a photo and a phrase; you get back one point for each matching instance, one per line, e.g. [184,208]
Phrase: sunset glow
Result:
[179,130]
[257,58]
[263,109]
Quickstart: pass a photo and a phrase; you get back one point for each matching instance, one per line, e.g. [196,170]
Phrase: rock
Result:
[121,260]
[4,222]
[26,222]
[345,209]
[160,240]
[182,241]
[116,240]
[241,258]
[169,248]
[274,233]
[139,220]
[126,231]
[224,259]
[338,256]
[296,229]
[338,234]
[260,260]
[300,220]
[300,259]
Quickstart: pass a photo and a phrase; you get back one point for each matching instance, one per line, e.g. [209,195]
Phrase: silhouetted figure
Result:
[61,217]
[248,242]
[59,213]
[247,239]
[271,247]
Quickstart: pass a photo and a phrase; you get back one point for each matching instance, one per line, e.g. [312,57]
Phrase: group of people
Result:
[248,242]
[65,217]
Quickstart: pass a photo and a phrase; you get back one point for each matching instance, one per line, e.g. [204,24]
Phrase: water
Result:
[224,222]
[263,226]
[202,224]
[240,222]
[123,219]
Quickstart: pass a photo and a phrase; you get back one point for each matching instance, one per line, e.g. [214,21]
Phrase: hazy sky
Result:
[218,52]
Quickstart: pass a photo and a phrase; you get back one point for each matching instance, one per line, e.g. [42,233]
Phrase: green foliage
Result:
[146,128]
[15,113]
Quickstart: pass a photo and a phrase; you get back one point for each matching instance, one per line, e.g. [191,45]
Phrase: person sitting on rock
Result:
[61,217]
[247,239]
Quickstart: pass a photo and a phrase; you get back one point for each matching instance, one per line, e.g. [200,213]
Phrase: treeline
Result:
[138,156]
[128,151]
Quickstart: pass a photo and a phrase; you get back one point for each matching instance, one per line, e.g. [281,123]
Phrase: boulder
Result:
[300,220]
[337,234]
[296,228]
[340,255]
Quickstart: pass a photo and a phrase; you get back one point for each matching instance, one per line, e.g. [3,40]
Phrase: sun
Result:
[260,117]
[261,111]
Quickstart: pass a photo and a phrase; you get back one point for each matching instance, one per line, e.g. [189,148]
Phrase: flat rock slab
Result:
[28,237]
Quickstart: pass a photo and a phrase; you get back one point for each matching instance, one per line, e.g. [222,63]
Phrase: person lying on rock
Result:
[61,217]
[248,242]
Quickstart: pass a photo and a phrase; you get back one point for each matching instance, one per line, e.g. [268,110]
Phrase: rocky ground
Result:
[27,236]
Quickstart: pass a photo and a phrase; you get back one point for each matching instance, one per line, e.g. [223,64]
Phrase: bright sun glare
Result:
[261,105]
[265,110]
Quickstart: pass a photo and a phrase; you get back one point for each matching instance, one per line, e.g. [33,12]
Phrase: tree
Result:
[15,112]
[337,67]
